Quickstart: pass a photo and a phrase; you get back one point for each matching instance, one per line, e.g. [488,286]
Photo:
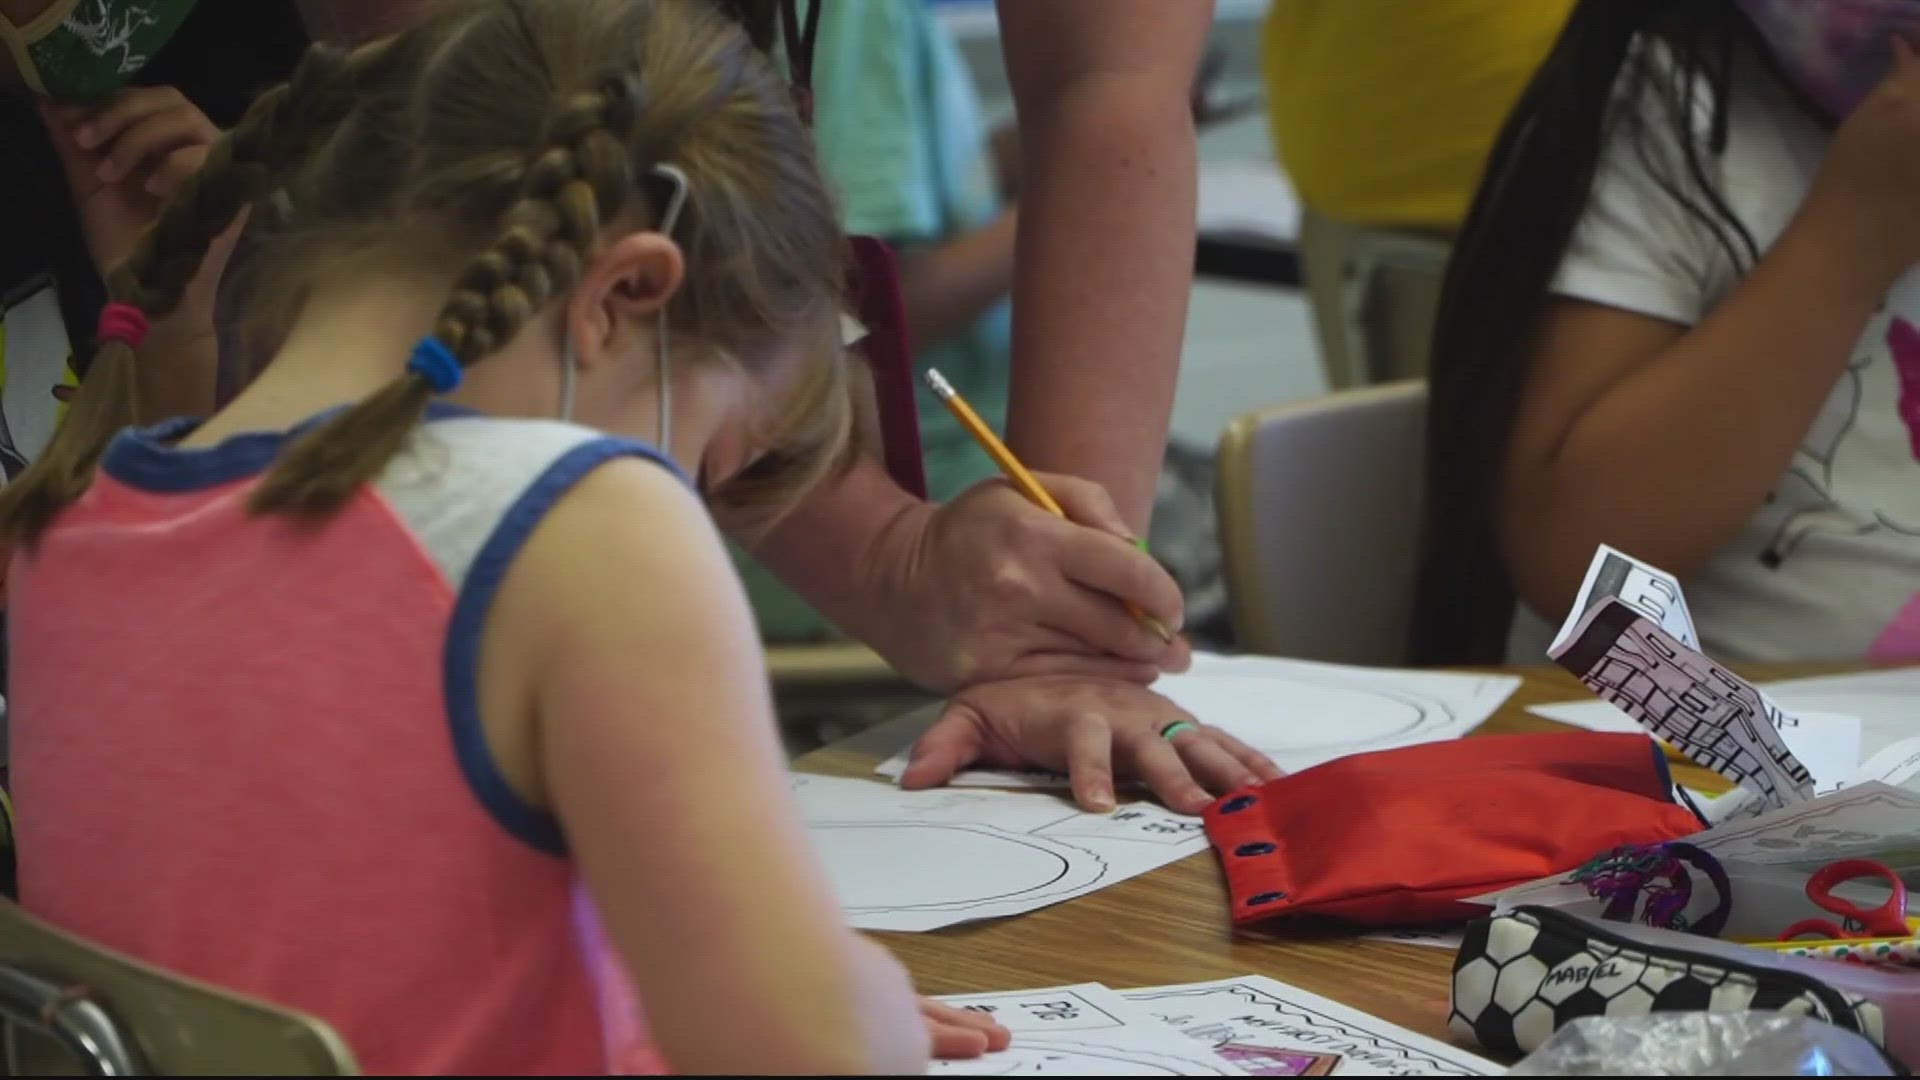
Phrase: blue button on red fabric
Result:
[1265,898]
[1238,803]
[1248,851]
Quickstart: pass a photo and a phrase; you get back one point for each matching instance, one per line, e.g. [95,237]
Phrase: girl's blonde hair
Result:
[500,142]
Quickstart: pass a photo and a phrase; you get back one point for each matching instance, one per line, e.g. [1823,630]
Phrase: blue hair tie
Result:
[434,362]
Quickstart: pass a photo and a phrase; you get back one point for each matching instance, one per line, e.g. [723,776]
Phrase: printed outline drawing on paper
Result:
[1050,866]
[1388,718]
[1403,713]
[1769,841]
[1268,1061]
[1065,1057]
[1716,720]
[1416,1062]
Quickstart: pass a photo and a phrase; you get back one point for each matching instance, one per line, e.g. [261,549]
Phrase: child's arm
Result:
[947,287]
[660,756]
[1664,440]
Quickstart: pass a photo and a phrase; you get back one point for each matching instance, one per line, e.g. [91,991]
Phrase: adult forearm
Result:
[824,550]
[1674,460]
[1100,293]
[948,287]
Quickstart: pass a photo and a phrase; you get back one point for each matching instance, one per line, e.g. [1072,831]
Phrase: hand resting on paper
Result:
[959,1033]
[1097,731]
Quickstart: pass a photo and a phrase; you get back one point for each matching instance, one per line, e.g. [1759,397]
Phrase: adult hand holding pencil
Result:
[1023,480]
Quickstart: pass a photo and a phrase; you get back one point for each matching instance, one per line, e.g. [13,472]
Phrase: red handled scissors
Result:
[1889,920]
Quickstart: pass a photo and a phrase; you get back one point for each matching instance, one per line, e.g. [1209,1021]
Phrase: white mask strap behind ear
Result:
[670,217]
[570,362]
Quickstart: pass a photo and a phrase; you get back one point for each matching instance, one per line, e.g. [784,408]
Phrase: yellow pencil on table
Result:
[1018,475]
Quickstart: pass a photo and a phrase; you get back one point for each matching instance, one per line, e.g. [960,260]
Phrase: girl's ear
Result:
[629,283]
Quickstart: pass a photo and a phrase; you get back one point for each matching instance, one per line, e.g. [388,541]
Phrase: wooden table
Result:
[1170,925]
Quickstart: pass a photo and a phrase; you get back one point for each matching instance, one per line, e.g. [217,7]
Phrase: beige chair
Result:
[70,1008]
[1374,294]
[1319,506]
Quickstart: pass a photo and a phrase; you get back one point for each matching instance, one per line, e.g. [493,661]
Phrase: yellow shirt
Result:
[1384,111]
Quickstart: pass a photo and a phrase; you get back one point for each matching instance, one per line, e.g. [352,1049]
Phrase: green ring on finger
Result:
[1176,728]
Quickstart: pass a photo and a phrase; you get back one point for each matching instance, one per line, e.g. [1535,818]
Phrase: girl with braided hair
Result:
[1011,611]
[355,684]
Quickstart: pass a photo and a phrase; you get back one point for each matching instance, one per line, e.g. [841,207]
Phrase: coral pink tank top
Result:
[250,751]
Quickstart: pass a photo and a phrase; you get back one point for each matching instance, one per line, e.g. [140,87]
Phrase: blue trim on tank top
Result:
[531,824]
[150,458]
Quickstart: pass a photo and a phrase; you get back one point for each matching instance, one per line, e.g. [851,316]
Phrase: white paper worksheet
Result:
[1085,1030]
[1298,713]
[1882,702]
[921,860]
[1867,820]
[1269,1028]
[1647,589]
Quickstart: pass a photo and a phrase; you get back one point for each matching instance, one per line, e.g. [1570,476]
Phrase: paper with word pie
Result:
[1714,717]
[1646,589]
[1085,1030]
[1865,821]
[1298,713]
[921,860]
[1880,702]
[1268,1028]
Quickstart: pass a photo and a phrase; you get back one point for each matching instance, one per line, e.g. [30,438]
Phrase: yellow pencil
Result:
[1017,473]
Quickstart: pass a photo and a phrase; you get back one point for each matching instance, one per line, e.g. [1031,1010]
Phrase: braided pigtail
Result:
[582,179]
[155,277]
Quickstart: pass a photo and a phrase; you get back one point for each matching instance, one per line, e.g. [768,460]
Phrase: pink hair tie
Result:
[121,322]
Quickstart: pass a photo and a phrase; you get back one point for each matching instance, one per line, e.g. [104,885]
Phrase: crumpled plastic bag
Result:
[1705,1044]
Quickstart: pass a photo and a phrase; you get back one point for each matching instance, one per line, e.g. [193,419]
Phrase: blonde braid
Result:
[583,177]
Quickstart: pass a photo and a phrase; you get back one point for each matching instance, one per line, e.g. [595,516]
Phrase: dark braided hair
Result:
[1642,72]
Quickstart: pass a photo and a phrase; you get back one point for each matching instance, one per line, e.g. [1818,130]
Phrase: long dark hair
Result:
[1671,63]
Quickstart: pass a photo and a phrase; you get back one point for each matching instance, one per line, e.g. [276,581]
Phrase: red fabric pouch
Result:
[1402,837]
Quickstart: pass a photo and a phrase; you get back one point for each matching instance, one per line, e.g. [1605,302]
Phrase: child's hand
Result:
[958,1033]
[124,159]
[1866,186]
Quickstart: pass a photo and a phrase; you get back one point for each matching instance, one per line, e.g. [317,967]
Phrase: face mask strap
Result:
[570,363]
[676,202]
[19,39]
